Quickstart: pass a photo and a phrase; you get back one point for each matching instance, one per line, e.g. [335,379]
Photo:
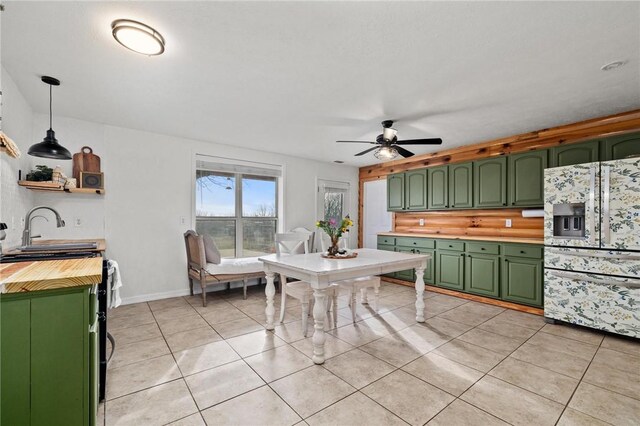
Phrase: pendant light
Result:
[49,147]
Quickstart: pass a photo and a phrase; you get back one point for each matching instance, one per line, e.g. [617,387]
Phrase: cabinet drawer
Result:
[416,242]
[534,252]
[382,239]
[483,248]
[450,245]
[386,247]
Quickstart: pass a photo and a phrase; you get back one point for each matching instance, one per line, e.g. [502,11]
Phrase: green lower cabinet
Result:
[388,248]
[430,270]
[46,358]
[482,275]
[407,274]
[522,280]
[450,269]
[15,356]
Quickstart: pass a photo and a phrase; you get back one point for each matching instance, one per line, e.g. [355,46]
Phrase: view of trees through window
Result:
[238,211]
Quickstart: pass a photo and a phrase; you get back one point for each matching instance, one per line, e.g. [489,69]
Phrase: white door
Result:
[375,216]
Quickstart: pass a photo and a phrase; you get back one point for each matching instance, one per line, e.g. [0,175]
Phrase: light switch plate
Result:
[421,222]
[508,223]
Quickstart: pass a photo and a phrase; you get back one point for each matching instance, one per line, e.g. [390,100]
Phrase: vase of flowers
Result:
[335,230]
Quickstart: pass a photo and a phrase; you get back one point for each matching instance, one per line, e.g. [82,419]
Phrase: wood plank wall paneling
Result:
[470,223]
[567,134]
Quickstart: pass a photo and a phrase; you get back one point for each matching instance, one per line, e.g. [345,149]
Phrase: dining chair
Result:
[289,244]
[356,284]
[305,231]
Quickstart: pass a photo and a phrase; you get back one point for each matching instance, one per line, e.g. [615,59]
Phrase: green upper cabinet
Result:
[438,192]
[526,178]
[568,155]
[490,182]
[619,147]
[461,185]
[395,192]
[415,182]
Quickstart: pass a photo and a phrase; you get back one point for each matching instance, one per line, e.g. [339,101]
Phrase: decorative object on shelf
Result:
[57,176]
[346,255]
[71,183]
[49,147]
[85,161]
[335,230]
[9,146]
[41,174]
[91,180]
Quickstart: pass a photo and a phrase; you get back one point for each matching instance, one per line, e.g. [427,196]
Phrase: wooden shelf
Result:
[51,187]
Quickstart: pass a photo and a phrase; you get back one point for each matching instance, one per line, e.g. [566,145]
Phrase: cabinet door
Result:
[521,280]
[569,155]
[415,183]
[388,248]
[482,274]
[15,357]
[407,274]
[490,182]
[526,178]
[619,147]
[429,272]
[60,359]
[461,185]
[450,269]
[395,192]
[438,194]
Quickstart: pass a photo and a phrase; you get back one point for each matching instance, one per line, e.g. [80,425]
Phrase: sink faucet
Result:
[26,234]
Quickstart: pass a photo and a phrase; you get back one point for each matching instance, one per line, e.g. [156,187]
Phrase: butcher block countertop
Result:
[23,277]
[101,246]
[467,237]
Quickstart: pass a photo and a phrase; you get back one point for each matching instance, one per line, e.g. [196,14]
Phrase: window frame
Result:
[239,219]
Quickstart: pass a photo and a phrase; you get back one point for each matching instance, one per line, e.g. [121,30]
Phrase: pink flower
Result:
[332,221]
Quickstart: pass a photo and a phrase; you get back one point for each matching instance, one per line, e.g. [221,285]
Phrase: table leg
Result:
[319,315]
[420,294]
[270,291]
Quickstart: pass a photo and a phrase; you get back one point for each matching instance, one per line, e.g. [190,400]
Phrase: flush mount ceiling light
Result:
[49,147]
[385,153]
[613,65]
[138,37]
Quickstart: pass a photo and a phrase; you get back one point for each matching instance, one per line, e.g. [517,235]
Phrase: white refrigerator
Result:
[592,245]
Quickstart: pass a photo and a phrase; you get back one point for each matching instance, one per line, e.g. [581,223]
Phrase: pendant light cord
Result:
[50,103]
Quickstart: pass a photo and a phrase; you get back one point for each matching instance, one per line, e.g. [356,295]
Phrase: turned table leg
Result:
[270,291]
[319,316]
[420,294]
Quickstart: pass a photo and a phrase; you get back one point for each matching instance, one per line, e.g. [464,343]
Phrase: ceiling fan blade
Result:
[431,141]
[366,151]
[374,143]
[403,151]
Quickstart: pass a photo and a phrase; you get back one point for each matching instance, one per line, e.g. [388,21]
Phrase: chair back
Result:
[195,251]
[292,243]
[325,242]
[310,234]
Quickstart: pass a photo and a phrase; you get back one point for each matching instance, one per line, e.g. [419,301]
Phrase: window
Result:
[238,207]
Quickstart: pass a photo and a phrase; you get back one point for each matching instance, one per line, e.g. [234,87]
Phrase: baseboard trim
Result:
[155,296]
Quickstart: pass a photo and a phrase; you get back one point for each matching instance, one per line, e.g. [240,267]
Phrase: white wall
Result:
[148,183]
[17,121]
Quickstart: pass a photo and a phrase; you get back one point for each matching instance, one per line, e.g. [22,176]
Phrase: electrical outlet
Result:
[183,220]
[77,222]
[421,222]
[508,223]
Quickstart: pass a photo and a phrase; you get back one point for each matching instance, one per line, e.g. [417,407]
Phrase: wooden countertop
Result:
[23,277]
[101,246]
[467,237]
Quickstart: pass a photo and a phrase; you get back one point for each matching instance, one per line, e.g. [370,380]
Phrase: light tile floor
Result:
[469,364]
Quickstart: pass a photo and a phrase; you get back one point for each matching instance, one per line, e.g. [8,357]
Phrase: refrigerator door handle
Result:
[592,205]
[608,281]
[606,211]
[617,256]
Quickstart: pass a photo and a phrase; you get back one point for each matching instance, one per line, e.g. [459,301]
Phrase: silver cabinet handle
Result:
[605,255]
[606,196]
[592,205]
[608,281]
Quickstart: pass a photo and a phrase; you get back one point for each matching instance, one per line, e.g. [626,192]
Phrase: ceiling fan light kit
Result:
[387,143]
[49,147]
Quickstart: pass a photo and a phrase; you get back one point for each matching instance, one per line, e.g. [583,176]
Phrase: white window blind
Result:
[237,166]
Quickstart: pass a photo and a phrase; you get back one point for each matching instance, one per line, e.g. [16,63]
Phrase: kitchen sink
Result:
[58,247]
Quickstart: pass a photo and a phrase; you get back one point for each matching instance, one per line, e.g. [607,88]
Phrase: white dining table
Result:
[320,272]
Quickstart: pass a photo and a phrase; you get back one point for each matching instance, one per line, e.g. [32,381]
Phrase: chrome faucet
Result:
[26,234]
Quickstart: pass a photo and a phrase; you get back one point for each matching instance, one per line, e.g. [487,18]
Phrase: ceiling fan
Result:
[387,143]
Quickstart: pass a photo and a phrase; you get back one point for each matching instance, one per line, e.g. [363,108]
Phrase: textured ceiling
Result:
[294,77]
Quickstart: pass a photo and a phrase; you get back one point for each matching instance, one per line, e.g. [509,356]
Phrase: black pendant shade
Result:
[49,147]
